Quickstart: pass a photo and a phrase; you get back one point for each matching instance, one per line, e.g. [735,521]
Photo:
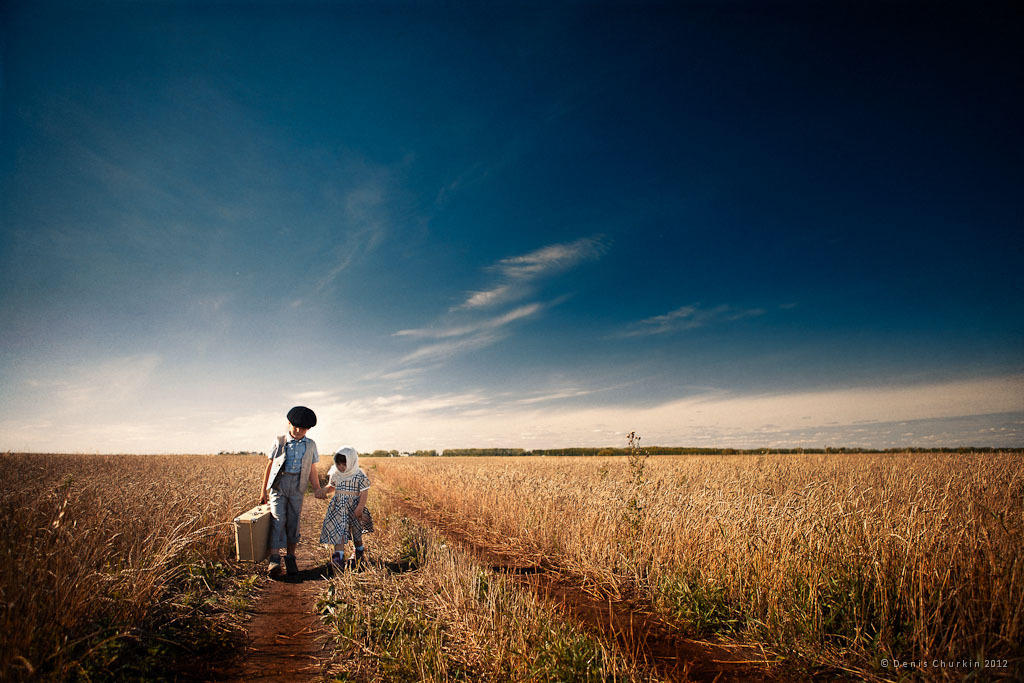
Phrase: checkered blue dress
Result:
[340,510]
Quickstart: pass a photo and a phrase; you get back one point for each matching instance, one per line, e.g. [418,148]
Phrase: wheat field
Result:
[435,613]
[838,560]
[109,559]
[832,562]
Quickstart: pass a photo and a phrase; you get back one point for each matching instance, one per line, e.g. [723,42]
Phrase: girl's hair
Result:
[340,460]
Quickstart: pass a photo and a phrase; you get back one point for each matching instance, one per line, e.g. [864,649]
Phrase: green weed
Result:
[700,602]
[405,642]
[565,654]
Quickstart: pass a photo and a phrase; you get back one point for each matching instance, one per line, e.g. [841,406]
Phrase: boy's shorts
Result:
[285,508]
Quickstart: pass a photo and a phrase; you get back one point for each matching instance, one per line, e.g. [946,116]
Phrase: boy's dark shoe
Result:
[292,566]
[274,568]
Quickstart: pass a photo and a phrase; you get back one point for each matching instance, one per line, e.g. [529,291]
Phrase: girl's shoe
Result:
[275,565]
[338,562]
[293,567]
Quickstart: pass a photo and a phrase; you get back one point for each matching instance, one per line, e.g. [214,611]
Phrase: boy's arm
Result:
[266,476]
[314,479]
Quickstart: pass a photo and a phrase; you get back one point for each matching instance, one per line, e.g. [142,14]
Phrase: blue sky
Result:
[533,225]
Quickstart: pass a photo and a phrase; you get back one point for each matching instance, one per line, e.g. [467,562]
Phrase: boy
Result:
[292,464]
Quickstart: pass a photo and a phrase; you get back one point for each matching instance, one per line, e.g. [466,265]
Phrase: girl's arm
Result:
[358,512]
[328,489]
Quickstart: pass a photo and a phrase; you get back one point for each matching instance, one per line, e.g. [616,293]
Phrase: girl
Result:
[347,516]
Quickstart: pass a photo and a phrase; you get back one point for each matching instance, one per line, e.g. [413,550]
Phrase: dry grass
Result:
[104,556]
[426,611]
[839,560]
[835,561]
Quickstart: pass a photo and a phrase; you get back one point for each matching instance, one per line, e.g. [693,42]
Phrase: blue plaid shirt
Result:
[293,452]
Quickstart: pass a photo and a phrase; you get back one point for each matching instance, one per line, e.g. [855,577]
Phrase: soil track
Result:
[640,633]
[286,637]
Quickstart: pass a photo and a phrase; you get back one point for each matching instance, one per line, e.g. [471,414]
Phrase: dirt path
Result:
[286,638]
[640,633]
[288,641]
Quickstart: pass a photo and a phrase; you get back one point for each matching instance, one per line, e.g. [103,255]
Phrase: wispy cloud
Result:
[478,326]
[469,337]
[866,416]
[488,297]
[688,318]
[90,393]
[363,217]
[107,383]
[401,405]
[404,374]
[317,395]
[471,176]
[466,329]
[517,274]
[446,349]
[555,396]
[983,411]
[552,258]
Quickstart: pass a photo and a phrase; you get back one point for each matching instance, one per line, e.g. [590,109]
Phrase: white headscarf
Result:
[351,466]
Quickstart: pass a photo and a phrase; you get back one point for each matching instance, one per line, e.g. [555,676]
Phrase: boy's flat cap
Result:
[302,417]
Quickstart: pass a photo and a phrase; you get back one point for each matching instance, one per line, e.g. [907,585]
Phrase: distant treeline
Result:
[658,450]
[677,450]
[404,454]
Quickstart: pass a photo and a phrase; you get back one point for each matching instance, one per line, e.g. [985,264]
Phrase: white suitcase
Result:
[252,534]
